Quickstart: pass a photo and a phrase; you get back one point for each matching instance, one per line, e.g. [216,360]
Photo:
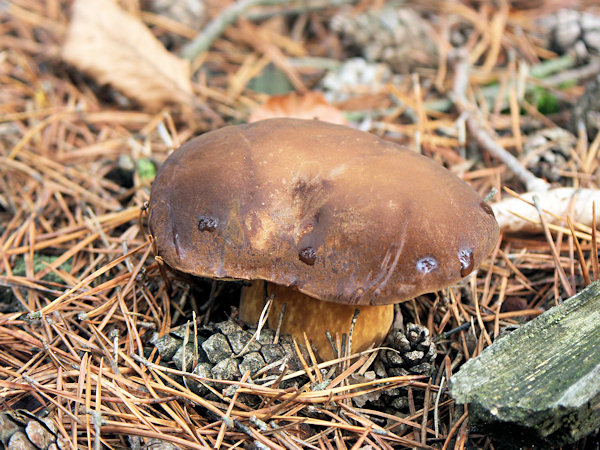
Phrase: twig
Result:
[261,323]
[583,72]
[595,269]
[584,270]
[279,323]
[215,28]
[477,130]
[539,71]
[561,273]
[446,334]
[351,331]
[436,410]
[454,429]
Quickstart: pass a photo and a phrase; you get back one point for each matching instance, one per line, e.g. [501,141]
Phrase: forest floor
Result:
[94,95]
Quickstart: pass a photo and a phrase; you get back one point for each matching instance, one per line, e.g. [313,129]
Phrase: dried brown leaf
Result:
[311,105]
[116,48]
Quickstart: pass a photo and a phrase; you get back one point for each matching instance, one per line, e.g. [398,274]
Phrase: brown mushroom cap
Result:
[336,213]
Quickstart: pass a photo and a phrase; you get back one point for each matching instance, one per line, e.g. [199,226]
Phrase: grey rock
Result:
[217,348]
[184,357]
[227,369]
[252,362]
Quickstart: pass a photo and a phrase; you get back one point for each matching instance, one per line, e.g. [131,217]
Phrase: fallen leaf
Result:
[311,105]
[515,215]
[116,48]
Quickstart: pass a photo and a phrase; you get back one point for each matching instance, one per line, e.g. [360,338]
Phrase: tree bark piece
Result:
[539,385]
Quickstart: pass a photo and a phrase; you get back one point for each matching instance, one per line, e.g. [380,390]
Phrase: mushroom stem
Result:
[305,314]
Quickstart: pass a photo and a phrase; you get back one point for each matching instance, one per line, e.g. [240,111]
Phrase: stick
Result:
[479,133]
[215,28]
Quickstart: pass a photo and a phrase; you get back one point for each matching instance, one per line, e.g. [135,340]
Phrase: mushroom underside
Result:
[305,314]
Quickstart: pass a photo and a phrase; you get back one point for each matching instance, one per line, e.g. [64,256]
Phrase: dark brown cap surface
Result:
[336,213]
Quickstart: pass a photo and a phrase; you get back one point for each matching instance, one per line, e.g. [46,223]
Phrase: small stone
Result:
[227,369]
[202,370]
[126,162]
[239,340]
[229,391]
[167,346]
[187,352]
[272,353]
[252,362]
[266,336]
[370,375]
[217,348]
[228,327]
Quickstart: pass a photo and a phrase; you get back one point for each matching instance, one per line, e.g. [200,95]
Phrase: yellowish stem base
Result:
[304,314]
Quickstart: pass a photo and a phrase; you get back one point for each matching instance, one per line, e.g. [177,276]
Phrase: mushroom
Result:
[332,219]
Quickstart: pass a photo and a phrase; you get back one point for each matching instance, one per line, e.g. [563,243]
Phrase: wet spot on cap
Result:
[487,208]
[207,223]
[308,255]
[467,263]
[427,264]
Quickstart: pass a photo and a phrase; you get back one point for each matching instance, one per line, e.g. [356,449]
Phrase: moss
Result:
[40,262]
[146,170]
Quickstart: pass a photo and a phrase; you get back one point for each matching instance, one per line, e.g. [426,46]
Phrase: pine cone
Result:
[587,109]
[223,353]
[548,152]
[356,75]
[20,429]
[574,32]
[412,352]
[399,37]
